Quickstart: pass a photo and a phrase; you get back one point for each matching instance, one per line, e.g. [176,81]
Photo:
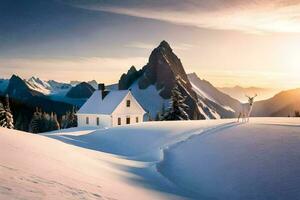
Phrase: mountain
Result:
[19,89]
[57,86]
[93,83]
[82,90]
[3,85]
[221,104]
[152,85]
[239,93]
[34,84]
[24,100]
[37,84]
[283,104]
[128,79]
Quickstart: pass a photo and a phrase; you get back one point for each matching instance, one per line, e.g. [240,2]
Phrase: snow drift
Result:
[212,159]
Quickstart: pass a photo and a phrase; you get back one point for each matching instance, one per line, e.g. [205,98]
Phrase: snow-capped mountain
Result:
[152,86]
[58,86]
[219,103]
[21,89]
[50,87]
[37,84]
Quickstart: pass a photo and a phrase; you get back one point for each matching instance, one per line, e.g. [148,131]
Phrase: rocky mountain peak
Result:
[163,70]
[128,79]
[17,88]
[164,45]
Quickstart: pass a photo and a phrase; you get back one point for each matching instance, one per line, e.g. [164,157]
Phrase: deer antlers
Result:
[251,97]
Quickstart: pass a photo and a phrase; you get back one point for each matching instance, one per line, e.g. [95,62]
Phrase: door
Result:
[127,120]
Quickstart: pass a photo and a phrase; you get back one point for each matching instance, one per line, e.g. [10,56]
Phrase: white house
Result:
[109,109]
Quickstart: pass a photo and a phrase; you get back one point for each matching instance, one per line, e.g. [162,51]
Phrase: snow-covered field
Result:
[214,159]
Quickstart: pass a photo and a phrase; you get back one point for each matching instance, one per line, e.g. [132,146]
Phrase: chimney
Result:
[101,86]
[104,92]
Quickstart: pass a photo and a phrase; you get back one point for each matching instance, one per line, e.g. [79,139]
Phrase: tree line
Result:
[40,121]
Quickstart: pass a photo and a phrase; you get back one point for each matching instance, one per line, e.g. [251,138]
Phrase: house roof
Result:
[96,105]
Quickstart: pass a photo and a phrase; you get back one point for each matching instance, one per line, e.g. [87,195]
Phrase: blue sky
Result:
[228,42]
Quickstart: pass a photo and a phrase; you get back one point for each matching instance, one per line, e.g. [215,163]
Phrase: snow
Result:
[96,105]
[206,90]
[201,93]
[38,85]
[149,98]
[209,159]
[53,89]
[259,160]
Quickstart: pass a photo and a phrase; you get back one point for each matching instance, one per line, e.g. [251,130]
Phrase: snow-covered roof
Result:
[96,105]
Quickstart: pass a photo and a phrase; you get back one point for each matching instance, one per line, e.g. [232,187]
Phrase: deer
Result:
[247,109]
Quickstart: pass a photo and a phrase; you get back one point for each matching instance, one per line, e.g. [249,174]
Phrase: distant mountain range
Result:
[151,85]
[52,89]
[239,93]
[282,104]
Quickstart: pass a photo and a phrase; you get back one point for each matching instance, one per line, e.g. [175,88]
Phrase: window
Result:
[128,120]
[137,119]
[128,103]
[98,121]
[87,120]
[119,121]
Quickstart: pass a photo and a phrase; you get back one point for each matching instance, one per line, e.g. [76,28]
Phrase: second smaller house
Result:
[109,109]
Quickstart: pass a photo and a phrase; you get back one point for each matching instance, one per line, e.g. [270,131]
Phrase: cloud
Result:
[247,16]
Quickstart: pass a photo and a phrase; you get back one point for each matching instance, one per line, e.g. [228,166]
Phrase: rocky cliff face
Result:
[163,70]
[128,79]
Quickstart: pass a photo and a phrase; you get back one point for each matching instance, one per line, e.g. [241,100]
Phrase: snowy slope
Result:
[149,99]
[258,161]
[47,87]
[211,159]
[224,105]
[38,85]
[36,167]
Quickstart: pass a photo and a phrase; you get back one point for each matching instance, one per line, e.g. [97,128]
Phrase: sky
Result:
[227,42]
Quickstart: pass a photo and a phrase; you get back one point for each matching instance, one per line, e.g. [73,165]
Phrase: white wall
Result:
[122,111]
[134,109]
[123,119]
[105,120]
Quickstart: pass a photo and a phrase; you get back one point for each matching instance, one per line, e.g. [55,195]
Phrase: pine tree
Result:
[69,120]
[177,108]
[35,123]
[6,117]
[53,123]
[21,123]
[43,122]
